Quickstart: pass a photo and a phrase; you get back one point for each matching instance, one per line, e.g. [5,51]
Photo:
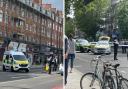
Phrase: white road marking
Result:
[77,66]
[122,71]
[19,76]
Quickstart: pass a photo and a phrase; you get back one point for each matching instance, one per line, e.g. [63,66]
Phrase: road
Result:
[82,62]
[35,79]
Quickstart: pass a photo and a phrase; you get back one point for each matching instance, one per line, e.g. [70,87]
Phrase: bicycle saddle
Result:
[116,65]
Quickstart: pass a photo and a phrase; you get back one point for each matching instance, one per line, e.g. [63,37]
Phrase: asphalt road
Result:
[36,80]
[82,62]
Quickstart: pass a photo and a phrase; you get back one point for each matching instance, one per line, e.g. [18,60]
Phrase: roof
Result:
[14,53]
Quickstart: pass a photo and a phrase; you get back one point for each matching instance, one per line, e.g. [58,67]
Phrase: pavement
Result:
[73,81]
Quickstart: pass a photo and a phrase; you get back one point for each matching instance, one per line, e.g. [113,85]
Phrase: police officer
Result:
[116,44]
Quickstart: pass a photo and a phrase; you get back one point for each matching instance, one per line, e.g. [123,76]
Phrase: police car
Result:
[102,47]
[15,61]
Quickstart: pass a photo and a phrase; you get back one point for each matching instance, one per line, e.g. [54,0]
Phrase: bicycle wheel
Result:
[90,81]
[123,83]
[109,83]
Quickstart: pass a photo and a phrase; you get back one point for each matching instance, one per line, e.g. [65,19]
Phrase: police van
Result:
[14,61]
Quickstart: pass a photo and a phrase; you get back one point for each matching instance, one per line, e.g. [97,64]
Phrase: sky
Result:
[55,3]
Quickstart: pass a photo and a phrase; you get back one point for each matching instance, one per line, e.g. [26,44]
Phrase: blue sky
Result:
[55,3]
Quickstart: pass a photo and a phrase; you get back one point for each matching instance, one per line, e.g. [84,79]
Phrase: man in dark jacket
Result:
[116,44]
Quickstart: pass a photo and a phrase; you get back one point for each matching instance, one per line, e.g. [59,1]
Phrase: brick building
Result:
[39,28]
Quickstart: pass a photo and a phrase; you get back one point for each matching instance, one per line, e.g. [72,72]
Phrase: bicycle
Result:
[120,81]
[94,81]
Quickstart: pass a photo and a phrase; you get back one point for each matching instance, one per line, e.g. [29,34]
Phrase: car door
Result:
[6,61]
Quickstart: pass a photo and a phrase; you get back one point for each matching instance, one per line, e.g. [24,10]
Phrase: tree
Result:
[69,22]
[88,17]
[68,4]
[122,16]
[69,26]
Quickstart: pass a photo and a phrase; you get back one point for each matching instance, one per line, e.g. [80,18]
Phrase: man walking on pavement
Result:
[66,59]
[116,44]
[71,53]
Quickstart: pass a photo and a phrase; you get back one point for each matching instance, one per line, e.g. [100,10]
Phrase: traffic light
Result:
[87,1]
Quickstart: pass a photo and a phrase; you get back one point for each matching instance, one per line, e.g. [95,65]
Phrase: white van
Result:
[15,61]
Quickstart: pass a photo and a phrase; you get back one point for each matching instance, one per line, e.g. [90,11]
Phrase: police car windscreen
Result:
[19,57]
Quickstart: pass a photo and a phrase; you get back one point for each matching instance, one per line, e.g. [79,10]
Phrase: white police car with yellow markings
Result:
[15,61]
[102,47]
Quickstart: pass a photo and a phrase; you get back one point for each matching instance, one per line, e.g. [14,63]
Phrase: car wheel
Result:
[12,70]
[27,70]
[88,50]
[82,49]
[4,69]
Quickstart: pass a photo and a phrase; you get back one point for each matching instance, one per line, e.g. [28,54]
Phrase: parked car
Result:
[82,45]
[92,45]
[15,61]
[102,47]
[104,38]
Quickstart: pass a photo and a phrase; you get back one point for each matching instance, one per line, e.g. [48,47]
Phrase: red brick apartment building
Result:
[40,29]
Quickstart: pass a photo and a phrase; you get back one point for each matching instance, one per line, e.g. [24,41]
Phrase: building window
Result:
[35,18]
[7,5]
[56,19]
[26,26]
[1,17]
[50,24]
[22,12]
[42,21]
[6,19]
[30,15]
[1,3]
[56,26]
[53,16]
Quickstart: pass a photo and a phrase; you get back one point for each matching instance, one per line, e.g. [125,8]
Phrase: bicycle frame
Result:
[104,73]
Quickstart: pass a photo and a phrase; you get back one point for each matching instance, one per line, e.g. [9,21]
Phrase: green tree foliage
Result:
[68,4]
[122,16]
[69,26]
[88,17]
[69,22]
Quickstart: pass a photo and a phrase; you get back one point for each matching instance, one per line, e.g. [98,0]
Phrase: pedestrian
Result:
[71,53]
[50,64]
[66,59]
[123,47]
[55,63]
[116,44]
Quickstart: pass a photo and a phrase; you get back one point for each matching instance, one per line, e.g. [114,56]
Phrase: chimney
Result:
[60,13]
[47,6]
[38,1]
[54,10]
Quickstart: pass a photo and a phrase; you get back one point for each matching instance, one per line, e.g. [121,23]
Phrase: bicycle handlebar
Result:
[107,63]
